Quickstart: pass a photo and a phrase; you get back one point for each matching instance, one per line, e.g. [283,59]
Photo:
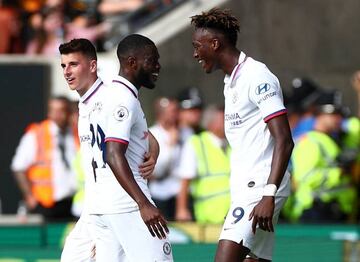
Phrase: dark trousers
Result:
[167,207]
[61,211]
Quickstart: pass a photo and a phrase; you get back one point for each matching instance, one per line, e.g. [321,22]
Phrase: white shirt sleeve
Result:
[120,117]
[25,153]
[188,162]
[266,94]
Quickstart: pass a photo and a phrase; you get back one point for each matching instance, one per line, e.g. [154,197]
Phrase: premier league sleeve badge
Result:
[121,113]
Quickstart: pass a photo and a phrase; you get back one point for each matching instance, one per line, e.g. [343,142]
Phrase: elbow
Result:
[289,145]
[110,157]
[286,145]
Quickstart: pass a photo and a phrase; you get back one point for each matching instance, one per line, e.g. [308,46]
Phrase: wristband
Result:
[269,190]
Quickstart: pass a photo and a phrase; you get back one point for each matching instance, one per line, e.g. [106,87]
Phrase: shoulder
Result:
[117,95]
[259,73]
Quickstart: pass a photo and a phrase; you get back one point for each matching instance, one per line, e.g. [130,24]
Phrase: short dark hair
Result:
[81,45]
[219,20]
[132,44]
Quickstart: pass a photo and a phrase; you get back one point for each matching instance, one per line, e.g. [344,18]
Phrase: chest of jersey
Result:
[239,109]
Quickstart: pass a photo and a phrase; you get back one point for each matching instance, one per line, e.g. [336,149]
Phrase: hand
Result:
[30,202]
[153,219]
[183,215]
[262,214]
[147,167]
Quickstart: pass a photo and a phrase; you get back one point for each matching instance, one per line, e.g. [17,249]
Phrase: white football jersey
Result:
[86,104]
[252,97]
[117,116]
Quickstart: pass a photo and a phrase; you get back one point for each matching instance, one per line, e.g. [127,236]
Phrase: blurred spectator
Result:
[191,104]
[49,34]
[83,26]
[10,30]
[351,137]
[322,188]
[355,81]
[116,12]
[205,169]
[82,7]
[42,163]
[165,185]
[52,27]
[118,7]
[301,106]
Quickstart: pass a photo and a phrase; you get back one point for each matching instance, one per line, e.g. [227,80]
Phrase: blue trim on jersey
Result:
[96,89]
[132,91]
[277,113]
[118,140]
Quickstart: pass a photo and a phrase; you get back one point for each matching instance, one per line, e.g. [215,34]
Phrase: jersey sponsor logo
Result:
[262,88]
[121,113]
[233,119]
[167,248]
[266,97]
[232,116]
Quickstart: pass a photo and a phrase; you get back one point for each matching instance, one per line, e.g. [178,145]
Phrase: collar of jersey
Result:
[229,78]
[127,84]
[92,90]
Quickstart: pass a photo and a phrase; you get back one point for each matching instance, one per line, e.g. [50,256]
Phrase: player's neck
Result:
[229,60]
[130,77]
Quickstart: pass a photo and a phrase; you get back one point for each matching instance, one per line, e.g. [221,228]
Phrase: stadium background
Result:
[318,39]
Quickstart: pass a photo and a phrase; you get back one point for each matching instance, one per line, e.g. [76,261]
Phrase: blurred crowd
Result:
[325,164]
[39,26]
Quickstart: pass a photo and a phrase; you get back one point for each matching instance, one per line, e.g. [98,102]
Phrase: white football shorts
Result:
[125,237]
[237,228]
[80,242]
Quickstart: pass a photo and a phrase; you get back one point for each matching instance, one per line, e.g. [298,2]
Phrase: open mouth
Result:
[202,62]
[155,76]
[70,80]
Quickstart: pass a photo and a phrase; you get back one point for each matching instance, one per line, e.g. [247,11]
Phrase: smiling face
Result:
[205,45]
[79,71]
[149,67]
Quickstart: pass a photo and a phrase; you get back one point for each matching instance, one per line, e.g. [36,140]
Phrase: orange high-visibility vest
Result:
[40,173]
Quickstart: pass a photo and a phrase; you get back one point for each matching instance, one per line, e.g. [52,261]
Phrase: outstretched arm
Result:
[152,217]
[262,213]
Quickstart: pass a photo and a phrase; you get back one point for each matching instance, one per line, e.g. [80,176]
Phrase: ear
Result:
[215,44]
[93,66]
[132,62]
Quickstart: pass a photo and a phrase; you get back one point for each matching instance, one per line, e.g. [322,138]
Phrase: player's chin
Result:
[150,85]
[208,69]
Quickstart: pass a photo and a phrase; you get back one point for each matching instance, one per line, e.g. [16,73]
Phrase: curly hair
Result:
[219,20]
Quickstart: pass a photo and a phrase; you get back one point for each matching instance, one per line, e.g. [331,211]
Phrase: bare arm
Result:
[111,7]
[152,217]
[25,188]
[147,167]
[263,212]
[182,211]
